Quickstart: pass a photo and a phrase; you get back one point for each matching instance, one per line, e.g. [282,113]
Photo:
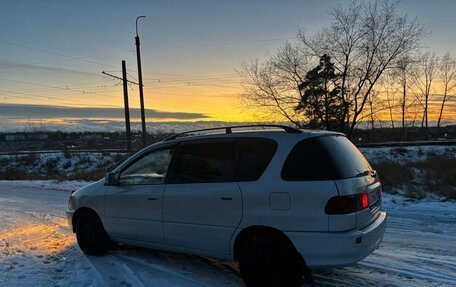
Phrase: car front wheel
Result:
[91,236]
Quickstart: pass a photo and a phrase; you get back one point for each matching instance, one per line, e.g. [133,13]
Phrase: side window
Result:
[254,155]
[149,169]
[205,162]
[307,161]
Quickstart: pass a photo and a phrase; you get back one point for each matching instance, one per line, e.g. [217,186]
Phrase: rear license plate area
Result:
[374,197]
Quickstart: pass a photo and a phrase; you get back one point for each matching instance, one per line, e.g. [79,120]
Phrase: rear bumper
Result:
[334,249]
[69,218]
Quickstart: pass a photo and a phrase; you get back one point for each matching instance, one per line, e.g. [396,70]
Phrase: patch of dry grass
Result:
[435,174]
[393,174]
[440,175]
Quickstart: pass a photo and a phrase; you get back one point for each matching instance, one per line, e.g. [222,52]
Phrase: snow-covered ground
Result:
[407,153]
[62,163]
[37,249]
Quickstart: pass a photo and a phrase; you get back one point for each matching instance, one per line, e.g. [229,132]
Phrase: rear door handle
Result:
[152,198]
[226,198]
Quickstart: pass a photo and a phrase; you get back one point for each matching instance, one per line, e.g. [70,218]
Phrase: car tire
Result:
[267,262]
[91,235]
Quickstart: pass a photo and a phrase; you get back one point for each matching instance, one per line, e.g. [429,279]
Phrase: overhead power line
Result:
[56,54]
[228,43]
[51,86]
[119,78]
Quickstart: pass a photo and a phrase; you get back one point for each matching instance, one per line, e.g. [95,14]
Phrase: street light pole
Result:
[141,93]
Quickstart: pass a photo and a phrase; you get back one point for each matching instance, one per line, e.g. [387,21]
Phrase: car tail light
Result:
[347,203]
[364,201]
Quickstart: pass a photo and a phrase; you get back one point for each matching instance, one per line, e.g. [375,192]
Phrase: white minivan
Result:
[281,201]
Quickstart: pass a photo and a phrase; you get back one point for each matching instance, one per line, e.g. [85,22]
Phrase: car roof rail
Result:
[229,130]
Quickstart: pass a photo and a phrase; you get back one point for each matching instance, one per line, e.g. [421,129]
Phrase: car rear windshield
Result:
[324,158]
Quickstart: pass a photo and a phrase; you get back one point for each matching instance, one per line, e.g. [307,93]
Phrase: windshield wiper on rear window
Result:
[373,173]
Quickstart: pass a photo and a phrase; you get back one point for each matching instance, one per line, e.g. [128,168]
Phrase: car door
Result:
[133,207]
[202,202]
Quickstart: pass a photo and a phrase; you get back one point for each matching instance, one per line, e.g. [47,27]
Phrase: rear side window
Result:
[308,161]
[205,162]
[254,155]
[324,158]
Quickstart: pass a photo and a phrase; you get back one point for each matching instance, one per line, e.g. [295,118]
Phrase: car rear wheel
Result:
[91,235]
[267,262]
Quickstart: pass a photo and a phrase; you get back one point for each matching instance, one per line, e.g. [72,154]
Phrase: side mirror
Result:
[111,178]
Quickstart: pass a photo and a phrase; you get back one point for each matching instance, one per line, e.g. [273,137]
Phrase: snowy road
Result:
[37,249]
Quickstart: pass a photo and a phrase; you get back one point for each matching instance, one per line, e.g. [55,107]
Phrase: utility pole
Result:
[141,93]
[127,109]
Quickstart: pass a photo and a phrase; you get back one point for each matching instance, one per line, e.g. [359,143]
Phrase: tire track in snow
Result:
[192,270]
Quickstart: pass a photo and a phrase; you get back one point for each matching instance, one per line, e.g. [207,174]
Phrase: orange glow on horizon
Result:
[221,103]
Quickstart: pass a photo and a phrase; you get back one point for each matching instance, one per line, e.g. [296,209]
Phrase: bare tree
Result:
[370,101]
[272,87]
[389,99]
[34,126]
[414,108]
[448,73]
[403,72]
[425,75]
[391,105]
[376,105]
[364,39]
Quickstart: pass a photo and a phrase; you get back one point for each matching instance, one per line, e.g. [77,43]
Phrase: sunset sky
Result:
[52,53]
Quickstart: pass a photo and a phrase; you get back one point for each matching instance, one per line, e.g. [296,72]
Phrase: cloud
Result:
[18,111]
